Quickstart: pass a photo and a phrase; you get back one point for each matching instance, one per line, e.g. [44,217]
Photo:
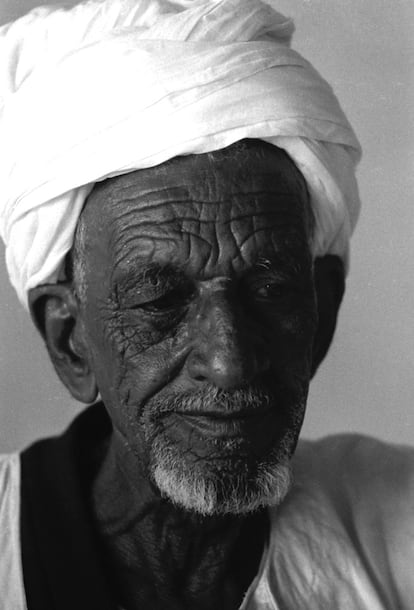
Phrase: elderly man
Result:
[178,197]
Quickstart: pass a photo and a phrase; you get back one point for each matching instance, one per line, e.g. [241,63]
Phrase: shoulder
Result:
[351,461]
[371,479]
[352,509]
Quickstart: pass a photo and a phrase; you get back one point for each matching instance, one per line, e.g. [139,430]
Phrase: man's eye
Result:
[272,290]
[172,301]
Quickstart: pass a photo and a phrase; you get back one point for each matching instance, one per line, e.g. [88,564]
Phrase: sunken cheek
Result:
[140,353]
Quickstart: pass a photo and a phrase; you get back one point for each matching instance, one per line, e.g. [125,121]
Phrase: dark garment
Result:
[62,569]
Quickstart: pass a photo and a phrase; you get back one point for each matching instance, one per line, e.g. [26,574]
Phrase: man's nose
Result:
[227,353]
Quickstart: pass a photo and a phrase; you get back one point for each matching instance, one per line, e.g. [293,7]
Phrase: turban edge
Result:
[114,86]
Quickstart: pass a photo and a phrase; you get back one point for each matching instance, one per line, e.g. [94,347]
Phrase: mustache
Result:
[214,401]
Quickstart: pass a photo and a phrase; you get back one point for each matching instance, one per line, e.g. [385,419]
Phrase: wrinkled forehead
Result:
[243,190]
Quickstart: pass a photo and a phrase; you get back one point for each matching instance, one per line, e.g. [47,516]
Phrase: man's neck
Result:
[160,556]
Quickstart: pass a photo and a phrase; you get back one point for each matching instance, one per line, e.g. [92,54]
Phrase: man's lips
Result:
[243,423]
[222,414]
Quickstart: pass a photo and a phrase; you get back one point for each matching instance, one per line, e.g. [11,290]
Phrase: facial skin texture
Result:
[200,305]
[197,322]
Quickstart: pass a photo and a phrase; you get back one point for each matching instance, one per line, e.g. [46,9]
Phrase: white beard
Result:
[236,482]
[212,494]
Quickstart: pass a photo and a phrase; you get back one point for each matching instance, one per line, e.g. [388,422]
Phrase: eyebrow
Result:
[284,264]
[164,274]
[153,274]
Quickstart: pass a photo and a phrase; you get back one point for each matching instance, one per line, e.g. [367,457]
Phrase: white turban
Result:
[112,86]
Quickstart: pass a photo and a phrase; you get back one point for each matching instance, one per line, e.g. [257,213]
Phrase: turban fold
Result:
[113,86]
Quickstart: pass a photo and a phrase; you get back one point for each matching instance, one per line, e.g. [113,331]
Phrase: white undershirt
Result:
[12,595]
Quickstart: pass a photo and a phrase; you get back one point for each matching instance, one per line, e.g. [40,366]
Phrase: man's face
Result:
[200,315]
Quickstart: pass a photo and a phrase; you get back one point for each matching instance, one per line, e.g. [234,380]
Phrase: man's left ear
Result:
[329,277]
[55,311]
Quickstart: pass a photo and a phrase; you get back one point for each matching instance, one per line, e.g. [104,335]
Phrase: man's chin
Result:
[216,452]
[231,487]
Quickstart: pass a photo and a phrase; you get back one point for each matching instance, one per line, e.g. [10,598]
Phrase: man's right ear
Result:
[55,311]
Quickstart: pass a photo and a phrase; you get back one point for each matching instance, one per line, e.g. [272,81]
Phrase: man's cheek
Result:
[291,337]
[142,373]
[122,350]
[132,336]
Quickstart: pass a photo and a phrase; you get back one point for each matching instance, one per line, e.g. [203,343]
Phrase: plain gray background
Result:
[365,49]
